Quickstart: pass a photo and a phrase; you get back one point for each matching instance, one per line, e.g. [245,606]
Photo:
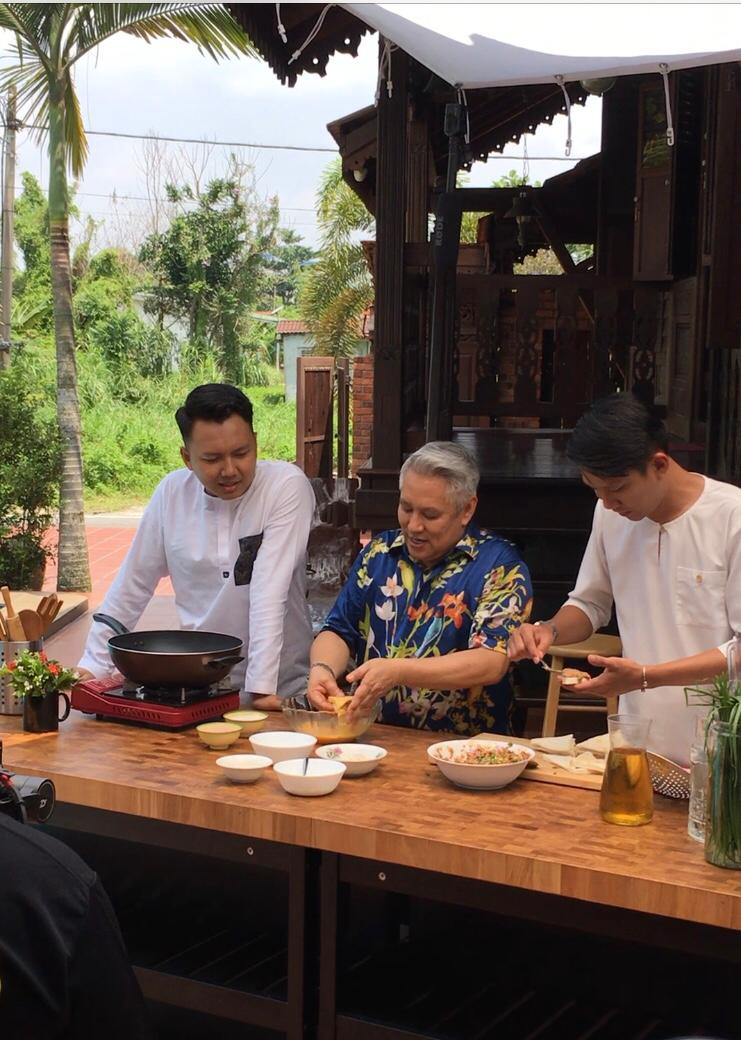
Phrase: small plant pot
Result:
[41,714]
[10,702]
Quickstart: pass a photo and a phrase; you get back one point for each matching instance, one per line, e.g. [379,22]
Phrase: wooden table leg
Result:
[551,702]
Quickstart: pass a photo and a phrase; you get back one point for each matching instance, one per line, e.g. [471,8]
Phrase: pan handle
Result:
[219,662]
[106,619]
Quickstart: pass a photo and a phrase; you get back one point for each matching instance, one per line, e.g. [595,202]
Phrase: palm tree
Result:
[49,40]
[338,288]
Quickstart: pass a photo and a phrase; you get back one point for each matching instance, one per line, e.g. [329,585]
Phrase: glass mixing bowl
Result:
[327,726]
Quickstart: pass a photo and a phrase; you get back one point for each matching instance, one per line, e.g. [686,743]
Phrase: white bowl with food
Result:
[309,777]
[480,765]
[281,745]
[244,769]
[359,759]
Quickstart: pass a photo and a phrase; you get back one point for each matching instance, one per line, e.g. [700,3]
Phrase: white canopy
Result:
[490,45]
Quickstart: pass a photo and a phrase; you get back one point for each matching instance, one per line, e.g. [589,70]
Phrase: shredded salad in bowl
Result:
[473,754]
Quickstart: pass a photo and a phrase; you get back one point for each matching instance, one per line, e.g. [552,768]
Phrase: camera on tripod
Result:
[28,799]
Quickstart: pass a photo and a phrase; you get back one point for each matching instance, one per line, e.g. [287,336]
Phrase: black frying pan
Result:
[171,658]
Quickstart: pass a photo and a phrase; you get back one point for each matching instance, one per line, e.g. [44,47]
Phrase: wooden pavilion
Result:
[506,363]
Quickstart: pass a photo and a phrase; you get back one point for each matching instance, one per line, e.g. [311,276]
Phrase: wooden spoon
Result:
[13,623]
[3,631]
[33,624]
[48,610]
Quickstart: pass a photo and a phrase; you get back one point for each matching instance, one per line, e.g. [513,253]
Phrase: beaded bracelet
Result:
[323,664]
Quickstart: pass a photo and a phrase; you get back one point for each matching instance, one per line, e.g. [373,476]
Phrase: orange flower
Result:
[414,612]
[454,608]
[53,668]
[43,657]
[12,665]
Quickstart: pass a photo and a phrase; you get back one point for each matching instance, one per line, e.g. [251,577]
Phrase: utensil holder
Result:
[10,704]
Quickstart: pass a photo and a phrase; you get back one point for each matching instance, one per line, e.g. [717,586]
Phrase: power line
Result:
[133,213]
[281,147]
[196,140]
[114,196]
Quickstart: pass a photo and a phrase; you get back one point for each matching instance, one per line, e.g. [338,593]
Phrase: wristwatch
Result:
[551,626]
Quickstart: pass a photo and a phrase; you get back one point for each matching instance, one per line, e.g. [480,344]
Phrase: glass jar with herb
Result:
[723,748]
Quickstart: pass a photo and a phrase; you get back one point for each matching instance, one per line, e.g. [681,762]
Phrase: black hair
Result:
[616,435]
[212,402]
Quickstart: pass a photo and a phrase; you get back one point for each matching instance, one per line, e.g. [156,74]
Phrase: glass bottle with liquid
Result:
[626,797]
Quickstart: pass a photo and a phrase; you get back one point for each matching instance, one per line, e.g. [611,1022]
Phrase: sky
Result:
[168,89]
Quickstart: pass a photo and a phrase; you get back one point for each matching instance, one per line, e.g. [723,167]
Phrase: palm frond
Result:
[51,38]
[32,24]
[76,148]
[209,26]
[32,92]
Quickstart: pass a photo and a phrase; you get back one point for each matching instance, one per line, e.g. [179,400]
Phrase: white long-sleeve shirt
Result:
[677,592]
[237,568]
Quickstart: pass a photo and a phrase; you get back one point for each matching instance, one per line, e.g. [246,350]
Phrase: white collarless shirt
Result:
[237,567]
[677,592]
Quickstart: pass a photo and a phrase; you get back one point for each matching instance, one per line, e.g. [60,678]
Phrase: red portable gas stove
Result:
[173,708]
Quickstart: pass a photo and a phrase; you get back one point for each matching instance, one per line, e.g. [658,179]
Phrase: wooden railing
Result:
[539,348]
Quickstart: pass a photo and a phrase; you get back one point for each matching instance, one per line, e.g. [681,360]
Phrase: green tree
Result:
[32,286]
[338,288]
[49,40]
[283,267]
[207,266]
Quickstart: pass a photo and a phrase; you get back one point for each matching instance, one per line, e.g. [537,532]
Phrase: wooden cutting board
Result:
[545,772]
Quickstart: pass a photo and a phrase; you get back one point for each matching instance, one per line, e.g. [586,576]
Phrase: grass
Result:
[130,439]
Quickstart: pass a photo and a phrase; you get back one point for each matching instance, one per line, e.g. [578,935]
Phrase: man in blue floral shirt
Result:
[427,610]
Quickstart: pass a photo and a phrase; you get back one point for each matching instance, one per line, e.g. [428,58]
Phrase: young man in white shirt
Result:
[666,549]
[231,533]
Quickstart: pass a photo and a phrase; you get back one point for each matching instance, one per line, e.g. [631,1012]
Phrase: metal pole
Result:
[6,247]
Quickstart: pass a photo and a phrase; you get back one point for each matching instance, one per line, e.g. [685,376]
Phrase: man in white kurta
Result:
[231,533]
[665,548]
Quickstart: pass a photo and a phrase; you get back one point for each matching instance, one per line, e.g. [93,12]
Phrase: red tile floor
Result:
[107,546]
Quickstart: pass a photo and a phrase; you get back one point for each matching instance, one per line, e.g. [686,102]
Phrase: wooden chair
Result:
[605,646]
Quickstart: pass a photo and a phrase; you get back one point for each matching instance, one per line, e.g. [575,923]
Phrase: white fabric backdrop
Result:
[488,45]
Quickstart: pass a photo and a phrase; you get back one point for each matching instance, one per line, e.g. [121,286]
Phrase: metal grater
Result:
[668,778]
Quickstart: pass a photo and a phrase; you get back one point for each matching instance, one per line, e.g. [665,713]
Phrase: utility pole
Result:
[6,247]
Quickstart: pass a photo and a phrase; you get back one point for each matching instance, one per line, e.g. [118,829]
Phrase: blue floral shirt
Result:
[475,596]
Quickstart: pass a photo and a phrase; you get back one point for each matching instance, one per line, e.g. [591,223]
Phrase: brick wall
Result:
[362,410]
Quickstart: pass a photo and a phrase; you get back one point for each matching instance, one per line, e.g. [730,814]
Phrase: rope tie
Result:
[664,70]
[463,100]
[312,35]
[281,26]
[384,71]
[567,99]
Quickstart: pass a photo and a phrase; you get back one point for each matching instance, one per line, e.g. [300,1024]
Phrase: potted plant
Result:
[723,747]
[40,683]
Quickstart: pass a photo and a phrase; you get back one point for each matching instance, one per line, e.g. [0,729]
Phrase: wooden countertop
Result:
[533,836]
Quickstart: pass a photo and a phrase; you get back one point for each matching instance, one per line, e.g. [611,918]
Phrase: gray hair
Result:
[452,462]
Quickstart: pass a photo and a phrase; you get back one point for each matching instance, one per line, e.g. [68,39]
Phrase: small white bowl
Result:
[321,776]
[358,758]
[248,721]
[243,769]
[479,777]
[280,745]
